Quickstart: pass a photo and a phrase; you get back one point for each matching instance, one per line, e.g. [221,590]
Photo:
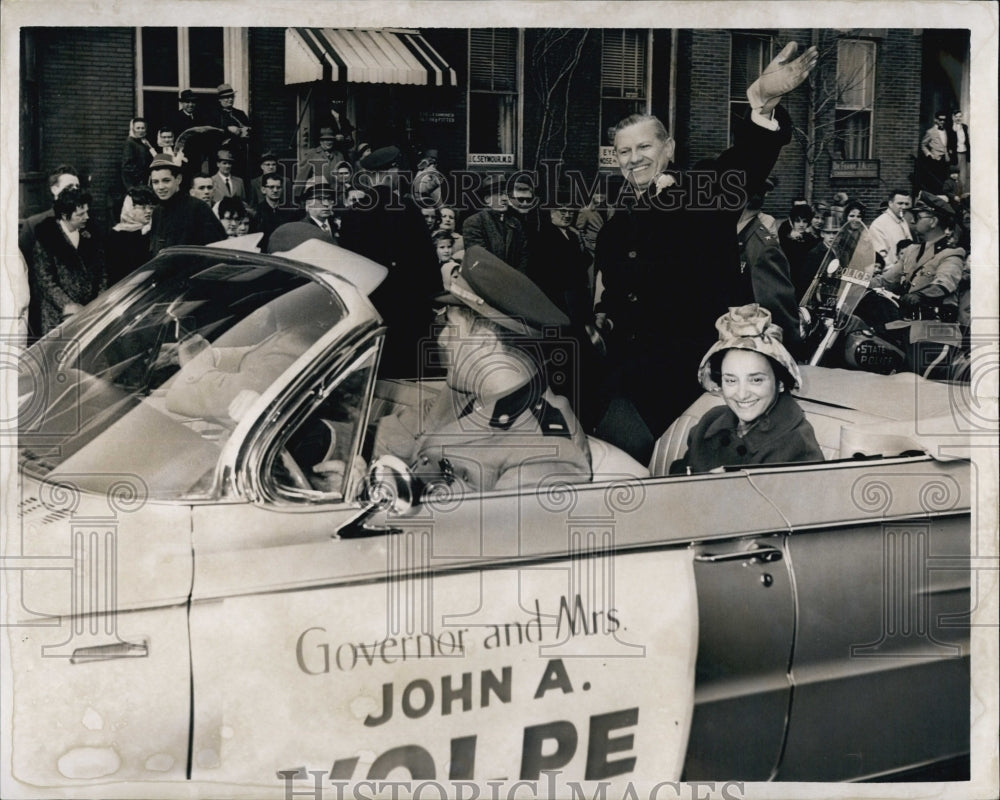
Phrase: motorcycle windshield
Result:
[845,273]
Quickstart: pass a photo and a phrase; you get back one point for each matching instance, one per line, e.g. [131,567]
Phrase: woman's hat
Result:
[748,327]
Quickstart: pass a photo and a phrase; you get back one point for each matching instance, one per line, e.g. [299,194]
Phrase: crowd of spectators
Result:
[618,272]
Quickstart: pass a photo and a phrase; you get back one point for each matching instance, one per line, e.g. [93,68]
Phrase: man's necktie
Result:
[229,188]
[325,226]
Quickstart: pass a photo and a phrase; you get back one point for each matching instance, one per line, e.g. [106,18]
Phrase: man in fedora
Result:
[496,227]
[496,425]
[321,162]
[224,183]
[269,166]
[187,116]
[236,125]
[318,200]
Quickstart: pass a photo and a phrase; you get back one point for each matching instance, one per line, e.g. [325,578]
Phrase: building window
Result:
[855,98]
[749,53]
[494,55]
[624,78]
[172,59]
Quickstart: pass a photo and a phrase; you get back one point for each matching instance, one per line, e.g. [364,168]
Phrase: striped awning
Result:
[355,55]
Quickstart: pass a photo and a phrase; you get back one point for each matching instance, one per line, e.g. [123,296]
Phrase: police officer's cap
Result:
[383,158]
[267,156]
[500,293]
[942,209]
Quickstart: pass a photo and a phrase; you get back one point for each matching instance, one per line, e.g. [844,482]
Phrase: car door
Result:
[880,556]
[95,605]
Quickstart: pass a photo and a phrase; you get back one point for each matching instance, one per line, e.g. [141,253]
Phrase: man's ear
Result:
[671,145]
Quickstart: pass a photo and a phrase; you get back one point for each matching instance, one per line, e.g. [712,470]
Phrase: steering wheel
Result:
[298,477]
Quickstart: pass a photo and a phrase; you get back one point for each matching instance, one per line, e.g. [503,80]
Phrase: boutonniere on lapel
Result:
[663,181]
[85,234]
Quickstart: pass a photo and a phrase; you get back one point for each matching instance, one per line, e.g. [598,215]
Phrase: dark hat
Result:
[224,155]
[317,189]
[821,206]
[327,133]
[383,158]
[225,90]
[926,201]
[500,293]
[187,96]
[267,156]
[494,184]
[430,155]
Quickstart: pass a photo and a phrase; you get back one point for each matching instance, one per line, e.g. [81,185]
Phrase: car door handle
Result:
[110,652]
[759,553]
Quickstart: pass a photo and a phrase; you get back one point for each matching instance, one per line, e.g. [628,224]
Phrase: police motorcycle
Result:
[841,331]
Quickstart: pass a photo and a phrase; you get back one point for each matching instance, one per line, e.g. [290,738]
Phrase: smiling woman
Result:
[761,422]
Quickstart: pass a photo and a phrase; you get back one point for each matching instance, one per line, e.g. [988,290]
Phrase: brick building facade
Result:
[535,95]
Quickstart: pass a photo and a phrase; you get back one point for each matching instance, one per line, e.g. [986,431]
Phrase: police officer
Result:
[497,425]
[765,276]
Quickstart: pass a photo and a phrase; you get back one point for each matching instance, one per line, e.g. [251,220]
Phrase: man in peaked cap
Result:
[929,272]
[496,425]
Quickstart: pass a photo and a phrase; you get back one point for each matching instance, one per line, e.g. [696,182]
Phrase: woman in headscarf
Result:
[68,260]
[128,241]
[760,422]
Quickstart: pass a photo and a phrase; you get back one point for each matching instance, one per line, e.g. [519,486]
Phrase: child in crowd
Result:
[444,242]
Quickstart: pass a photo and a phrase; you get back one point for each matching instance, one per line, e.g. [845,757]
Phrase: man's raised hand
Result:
[780,77]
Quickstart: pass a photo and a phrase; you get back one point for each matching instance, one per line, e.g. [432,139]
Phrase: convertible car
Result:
[215,578]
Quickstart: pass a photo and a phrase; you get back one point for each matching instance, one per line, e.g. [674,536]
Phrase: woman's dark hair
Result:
[143,196]
[852,204]
[232,207]
[801,211]
[69,200]
[781,375]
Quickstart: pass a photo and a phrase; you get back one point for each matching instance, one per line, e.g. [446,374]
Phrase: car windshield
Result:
[153,384]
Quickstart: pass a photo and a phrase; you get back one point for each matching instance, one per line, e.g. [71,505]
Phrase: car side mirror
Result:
[389,486]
